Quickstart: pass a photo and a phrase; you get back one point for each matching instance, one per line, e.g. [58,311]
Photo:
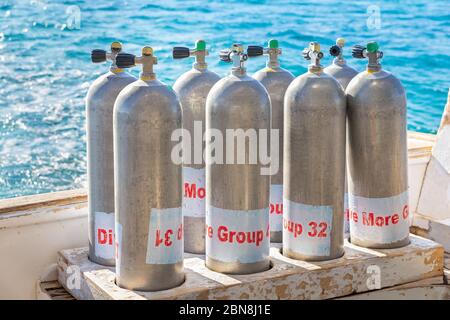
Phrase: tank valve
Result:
[237,56]
[273,51]
[199,52]
[147,60]
[371,52]
[314,54]
[337,50]
[99,55]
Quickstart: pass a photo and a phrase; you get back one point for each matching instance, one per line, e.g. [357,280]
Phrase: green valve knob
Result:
[273,44]
[372,47]
[200,45]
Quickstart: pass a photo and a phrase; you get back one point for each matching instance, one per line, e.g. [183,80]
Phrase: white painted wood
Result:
[434,200]
[287,279]
[32,230]
[438,231]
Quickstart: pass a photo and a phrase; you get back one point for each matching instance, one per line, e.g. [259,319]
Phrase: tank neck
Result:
[272,61]
[147,61]
[114,69]
[374,64]
[200,60]
[316,69]
[340,61]
[239,71]
[374,57]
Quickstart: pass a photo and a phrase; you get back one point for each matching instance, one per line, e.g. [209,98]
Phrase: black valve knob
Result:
[305,54]
[98,55]
[125,60]
[255,51]
[180,52]
[335,51]
[358,51]
[225,55]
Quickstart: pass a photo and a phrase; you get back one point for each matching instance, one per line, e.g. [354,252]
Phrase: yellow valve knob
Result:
[147,51]
[238,48]
[116,46]
[340,42]
[314,46]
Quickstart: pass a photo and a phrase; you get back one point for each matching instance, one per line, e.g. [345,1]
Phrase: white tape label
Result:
[104,235]
[237,236]
[307,228]
[194,192]
[165,236]
[276,207]
[380,220]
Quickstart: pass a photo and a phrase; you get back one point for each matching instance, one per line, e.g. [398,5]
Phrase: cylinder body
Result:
[149,231]
[343,73]
[237,193]
[276,80]
[192,88]
[100,164]
[314,168]
[378,181]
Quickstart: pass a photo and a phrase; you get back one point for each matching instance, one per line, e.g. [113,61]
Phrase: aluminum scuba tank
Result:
[192,88]
[149,222]
[276,80]
[378,159]
[100,158]
[314,164]
[237,193]
[343,73]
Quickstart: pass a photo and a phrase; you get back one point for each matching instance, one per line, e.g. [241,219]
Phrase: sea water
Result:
[45,67]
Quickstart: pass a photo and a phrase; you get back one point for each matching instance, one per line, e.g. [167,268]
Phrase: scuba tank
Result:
[237,193]
[276,80]
[149,222]
[378,159]
[192,88]
[343,73]
[314,164]
[100,158]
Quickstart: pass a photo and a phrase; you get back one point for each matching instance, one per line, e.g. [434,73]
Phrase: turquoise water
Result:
[45,69]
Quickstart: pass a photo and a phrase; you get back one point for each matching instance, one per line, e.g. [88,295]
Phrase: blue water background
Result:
[45,69]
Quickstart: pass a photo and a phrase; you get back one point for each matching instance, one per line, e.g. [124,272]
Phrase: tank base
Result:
[237,267]
[373,245]
[152,278]
[103,262]
[194,235]
[276,236]
[293,255]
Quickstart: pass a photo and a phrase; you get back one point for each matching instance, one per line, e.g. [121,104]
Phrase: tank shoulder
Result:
[108,83]
[194,78]
[231,90]
[380,79]
[308,84]
[269,73]
[146,93]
